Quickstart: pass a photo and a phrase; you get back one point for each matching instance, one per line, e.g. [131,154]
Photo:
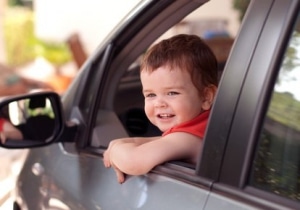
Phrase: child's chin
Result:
[164,129]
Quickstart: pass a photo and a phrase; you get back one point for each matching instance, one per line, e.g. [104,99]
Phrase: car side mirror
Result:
[30,120]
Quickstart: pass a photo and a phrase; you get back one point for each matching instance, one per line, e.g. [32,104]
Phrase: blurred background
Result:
[43,44]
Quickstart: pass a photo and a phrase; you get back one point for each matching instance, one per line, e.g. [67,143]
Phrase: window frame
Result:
[223,110]
[131,42]
[255,94]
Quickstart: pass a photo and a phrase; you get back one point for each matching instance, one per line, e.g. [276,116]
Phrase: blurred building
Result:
[57,20]
[92,20]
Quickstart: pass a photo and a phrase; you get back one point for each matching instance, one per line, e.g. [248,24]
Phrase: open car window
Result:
[125,114]
[129,101]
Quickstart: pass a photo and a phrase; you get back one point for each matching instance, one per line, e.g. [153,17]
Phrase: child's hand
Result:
[107,163]
[106,155]
[106,159]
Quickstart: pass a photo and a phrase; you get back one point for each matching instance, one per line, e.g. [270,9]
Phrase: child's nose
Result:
[160,103]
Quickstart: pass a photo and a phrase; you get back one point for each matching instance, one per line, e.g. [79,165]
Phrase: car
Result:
[251,152]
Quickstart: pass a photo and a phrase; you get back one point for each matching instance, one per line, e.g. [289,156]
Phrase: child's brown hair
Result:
[186,52]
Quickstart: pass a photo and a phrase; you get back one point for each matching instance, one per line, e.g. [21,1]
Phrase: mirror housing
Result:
[31,120]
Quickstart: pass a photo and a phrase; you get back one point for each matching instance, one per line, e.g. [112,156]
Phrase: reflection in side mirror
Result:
[29,121]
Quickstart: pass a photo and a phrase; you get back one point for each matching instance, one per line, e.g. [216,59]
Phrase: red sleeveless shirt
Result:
[196,126]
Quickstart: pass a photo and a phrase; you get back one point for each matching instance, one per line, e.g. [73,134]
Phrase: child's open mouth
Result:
[165,116]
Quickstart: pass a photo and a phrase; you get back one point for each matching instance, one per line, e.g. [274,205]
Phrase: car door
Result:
[105,99]
[260,165]
[250,156]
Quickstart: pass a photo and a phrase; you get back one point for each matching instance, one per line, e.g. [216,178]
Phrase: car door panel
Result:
[217,201]
[72,175]
[79,180]
[82,182]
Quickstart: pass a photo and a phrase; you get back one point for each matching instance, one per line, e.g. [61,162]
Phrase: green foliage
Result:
[285,103]
[15,3]
[46,111]
[21,44]
[56,53]
[19,38]
[291,58]
[276,166]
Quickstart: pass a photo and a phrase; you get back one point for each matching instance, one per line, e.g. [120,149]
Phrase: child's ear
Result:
[209,93]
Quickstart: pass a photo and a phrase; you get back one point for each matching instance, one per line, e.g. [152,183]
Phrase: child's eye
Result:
[149,95]
[172,93]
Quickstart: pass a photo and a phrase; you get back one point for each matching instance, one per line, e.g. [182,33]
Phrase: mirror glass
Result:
[27,120]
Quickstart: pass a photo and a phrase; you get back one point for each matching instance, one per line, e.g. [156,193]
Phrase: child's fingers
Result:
[106,164]
[106,160]
[106,154]
[120,175]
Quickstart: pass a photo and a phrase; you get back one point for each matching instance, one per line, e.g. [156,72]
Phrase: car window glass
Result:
[276,167]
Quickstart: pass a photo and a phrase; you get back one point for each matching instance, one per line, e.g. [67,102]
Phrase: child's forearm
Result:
[121,153]
[138,140]
[126,158]
[135,140]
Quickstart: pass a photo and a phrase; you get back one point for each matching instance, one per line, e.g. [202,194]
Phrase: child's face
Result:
[170,97]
